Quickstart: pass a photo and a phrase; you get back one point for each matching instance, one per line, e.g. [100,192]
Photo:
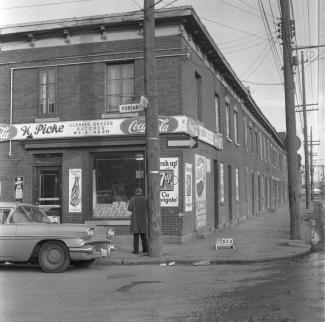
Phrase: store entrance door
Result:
[48,191]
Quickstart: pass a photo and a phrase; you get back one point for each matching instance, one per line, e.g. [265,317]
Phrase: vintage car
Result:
[27,235]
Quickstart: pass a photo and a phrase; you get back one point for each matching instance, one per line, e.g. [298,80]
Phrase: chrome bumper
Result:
[91,251]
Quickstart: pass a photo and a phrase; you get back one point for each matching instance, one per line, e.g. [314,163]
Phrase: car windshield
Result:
[4,213]
[28,214]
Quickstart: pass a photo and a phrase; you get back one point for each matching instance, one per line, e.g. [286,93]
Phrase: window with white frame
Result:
[47,91]
[245,132]
[261,146]
[119,85]
[227,120]
[236,126]
[217,112]
[222,182]
[251,139]
[198,84]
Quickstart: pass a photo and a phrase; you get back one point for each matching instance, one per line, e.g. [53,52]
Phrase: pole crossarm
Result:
[309,110]
[308,47]
[312,104]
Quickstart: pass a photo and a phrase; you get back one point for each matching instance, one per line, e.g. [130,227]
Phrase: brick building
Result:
[62,135]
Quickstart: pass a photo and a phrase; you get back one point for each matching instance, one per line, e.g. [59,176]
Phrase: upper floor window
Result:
[236,126]
[217,111]
[245,131]
[198,84]
[119,85]
[227,120]
[256,143]
[47,92]
[251,138]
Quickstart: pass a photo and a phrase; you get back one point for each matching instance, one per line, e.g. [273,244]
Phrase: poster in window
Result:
[188,187]
[75,193]
[200,190]
[169,182]
[19,189]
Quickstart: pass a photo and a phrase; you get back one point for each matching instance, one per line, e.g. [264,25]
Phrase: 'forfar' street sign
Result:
[127,108]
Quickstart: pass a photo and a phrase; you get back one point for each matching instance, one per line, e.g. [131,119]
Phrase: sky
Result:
[248,41]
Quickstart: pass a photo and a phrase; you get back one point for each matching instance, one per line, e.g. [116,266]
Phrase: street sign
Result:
[184,143]
[127,108]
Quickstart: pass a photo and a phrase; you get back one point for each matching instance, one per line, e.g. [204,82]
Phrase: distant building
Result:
[61,85]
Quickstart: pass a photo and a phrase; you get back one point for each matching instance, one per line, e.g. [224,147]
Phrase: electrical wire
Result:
[239,8]
[232,28]
[43,4]
[272,43]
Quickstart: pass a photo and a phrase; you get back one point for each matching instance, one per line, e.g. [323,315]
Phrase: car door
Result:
[7,236]
[26,235]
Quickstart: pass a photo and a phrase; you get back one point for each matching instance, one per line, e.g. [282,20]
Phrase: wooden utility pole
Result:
[152,131]
[311,165]
[291,141]
[307,185]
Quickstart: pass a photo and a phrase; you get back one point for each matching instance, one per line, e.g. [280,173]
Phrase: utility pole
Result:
[152,131]
[291,146]
[307,186]
[311,165]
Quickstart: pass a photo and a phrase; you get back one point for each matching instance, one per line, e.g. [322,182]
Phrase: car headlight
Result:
[90,233]
[110,233]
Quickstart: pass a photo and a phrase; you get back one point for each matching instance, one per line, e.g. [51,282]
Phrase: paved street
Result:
[287,290]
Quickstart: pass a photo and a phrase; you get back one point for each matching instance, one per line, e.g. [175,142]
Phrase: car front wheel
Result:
[54,257]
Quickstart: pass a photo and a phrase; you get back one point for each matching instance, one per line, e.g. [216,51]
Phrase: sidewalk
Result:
[262,238]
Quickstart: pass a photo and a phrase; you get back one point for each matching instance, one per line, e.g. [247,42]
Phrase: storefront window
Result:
[115,178]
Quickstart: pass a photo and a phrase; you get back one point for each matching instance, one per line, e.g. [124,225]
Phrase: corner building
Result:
[66,146]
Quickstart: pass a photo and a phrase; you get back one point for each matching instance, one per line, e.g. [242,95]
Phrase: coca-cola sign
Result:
[7,132]
[138,125]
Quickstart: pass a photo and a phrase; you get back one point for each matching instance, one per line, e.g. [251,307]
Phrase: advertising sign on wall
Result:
[75,193]
[169,182]
[19,189]
[200,190]
[188,187]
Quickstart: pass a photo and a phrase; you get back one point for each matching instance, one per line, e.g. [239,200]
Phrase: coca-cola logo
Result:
[138,125]
[7,132]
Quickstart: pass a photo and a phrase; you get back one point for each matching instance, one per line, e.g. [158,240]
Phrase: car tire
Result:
[83,264]
[54,257]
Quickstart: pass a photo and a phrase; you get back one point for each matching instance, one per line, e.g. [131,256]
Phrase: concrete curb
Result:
[192,261]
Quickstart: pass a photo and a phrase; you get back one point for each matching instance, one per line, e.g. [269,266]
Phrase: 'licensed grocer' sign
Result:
[169,182]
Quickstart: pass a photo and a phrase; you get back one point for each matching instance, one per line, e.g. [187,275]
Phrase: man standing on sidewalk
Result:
[139,220]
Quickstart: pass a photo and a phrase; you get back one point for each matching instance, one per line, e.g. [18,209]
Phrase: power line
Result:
[275,53]
[241,9]
[238,39]
[232,28]
[43,4]
[242,49]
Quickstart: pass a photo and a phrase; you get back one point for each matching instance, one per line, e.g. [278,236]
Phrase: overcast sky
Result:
[240,32]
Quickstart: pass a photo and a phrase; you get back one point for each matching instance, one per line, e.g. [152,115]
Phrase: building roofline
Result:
[186,13]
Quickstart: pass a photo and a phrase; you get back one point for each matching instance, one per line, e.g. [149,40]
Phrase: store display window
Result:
[115,178]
